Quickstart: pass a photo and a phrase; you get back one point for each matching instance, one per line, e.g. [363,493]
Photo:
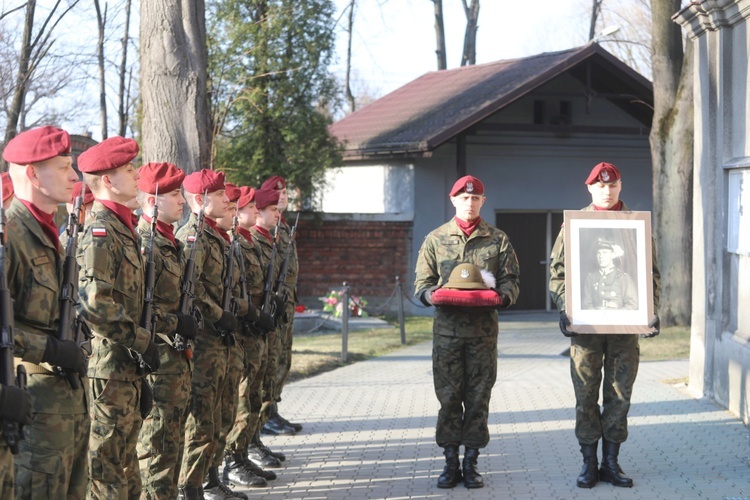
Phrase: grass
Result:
[318,353]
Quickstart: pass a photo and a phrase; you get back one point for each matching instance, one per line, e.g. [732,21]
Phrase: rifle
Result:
[227,303]
[13,431]
[72,327]
[147,316]
[268,305]
[285,262]
[188,284]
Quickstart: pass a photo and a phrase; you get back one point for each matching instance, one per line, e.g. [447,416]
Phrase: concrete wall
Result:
[720,338]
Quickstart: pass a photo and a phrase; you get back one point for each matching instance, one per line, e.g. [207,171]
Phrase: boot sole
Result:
[610,481]
[473,486]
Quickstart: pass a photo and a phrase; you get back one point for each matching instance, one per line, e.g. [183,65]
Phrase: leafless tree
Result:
[101,22]
[469,56]
[672,157]
[442,60]
[596,8]
[124,77]
[350,31]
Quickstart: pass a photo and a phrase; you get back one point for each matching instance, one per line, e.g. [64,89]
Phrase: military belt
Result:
[33,368]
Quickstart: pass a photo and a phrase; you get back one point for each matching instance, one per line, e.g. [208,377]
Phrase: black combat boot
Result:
[589,473]
[276,415]
[472,479]
[237,472]
[190,493]
[452,472]
[259,455]
[214,489]
[610,471]
[275,427]
[275,454]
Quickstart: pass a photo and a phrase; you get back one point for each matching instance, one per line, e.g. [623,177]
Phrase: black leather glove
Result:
[564,324]
[280,305]
[655,324]
[151,357]
[147,399]
[264,322]
[15,404]
[227,322]
[187,327]
[65,354]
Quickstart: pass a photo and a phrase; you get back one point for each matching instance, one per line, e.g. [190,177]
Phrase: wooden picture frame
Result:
[608,271]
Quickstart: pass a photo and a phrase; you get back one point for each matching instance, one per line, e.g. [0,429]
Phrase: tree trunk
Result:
[440,35]
[349,94]
[672,157]
[122,110]
[469,56]
[22,78]
[101,21]
[176,125]
[596,9]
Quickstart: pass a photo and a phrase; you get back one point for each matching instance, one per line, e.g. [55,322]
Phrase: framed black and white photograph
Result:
[609,277]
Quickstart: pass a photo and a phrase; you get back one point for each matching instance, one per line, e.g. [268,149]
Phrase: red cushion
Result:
[466,298]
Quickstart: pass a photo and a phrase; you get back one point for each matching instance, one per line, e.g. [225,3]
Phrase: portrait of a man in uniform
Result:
[608,286]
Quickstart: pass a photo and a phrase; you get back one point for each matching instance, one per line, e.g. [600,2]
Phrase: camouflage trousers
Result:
[464,371]
[204,412]
[162,439]
[6,470]
[270,389]
[285,349]
[229,398]
[618,355]
[250,399]
[52,459]
[115,424]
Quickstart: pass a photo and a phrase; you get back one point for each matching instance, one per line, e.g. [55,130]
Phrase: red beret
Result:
[109,154]
[604,172]
[469,184]
[266,197]
[274,182]
[204,180]
[37,145]
[167,176]
[7,186]
[247,195]
[77,188]
[233,192]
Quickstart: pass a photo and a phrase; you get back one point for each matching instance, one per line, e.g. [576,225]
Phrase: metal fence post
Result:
[401,310]
[345,323]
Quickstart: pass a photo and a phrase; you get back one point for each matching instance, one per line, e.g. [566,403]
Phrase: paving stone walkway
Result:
[369,430]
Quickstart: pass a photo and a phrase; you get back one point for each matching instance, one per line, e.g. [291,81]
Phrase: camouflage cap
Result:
[466,277]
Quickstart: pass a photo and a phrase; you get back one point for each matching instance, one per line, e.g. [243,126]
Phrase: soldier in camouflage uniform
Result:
[161,440]
[52,458]
[276,424]
[111,287]
[239,469]
[464,355]
[266,201]
[608,287]
[205,190]
[616,354]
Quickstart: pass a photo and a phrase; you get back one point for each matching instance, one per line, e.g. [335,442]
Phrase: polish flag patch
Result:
[99,232]
[191,238]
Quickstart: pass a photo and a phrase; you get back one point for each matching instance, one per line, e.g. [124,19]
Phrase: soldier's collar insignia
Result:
[464,273]
[469,187]
[605,176]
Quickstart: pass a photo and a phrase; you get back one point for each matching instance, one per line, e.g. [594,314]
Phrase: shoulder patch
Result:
[191,238]
[99,232]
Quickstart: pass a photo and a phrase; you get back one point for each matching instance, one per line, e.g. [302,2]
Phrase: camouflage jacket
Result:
[111,290]
[557,268]
[253,270]
[290,281]
[263,248]
[169,267]
[445,248]
[34,273]
[210,265]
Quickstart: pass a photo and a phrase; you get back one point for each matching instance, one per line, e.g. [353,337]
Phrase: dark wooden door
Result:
[532,235]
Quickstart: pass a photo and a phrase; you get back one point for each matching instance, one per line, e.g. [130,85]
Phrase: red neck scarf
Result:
[163,229]
[468,227]
[616,208]
[46,222]
[265,232]
[123,213]
[219,231]
[245,234]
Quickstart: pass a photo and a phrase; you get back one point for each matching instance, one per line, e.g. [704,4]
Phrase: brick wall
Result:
[366,254]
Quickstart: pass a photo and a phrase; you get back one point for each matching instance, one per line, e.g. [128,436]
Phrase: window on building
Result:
[738,230]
